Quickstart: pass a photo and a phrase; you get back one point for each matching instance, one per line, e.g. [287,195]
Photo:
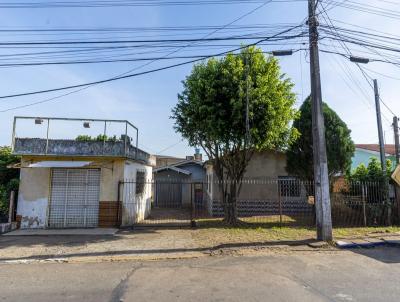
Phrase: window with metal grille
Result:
[289,186]
[140,179]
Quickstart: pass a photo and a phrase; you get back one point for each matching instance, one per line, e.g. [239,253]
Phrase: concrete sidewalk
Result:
[145,243]
[96,245]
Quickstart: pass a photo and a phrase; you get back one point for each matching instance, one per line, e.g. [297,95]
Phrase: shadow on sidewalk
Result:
[164,251]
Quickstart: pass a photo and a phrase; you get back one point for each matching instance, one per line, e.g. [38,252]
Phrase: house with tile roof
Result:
[364,152]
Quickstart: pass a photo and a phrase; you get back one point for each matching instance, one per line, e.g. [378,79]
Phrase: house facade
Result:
[179,184]
[266,189]
[69,183]
[364,152]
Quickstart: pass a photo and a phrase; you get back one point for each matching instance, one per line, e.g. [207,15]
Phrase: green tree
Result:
[8,177]
[340,147]
[372,173]
[6,159]
[376,190]
[211,113]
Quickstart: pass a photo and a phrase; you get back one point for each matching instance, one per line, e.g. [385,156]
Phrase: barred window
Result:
[140,178]
[289,186]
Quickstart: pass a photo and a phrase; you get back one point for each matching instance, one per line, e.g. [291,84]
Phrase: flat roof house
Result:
[73,181]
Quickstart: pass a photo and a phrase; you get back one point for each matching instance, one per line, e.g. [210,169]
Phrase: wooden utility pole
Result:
[380,131]
[321,179]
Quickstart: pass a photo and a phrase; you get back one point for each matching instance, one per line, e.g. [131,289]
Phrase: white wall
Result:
[136,207]
[33,197]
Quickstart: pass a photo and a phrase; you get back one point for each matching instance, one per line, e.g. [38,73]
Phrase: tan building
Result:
[266,188]
[69,183]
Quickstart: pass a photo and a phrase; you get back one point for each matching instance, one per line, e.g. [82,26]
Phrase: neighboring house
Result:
[364,152]
[265,187]
[179,184]
[69,183]
[165,160]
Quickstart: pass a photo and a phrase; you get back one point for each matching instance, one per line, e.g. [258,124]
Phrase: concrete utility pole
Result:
[11,207]
[321,180]
[396,137]
[382,148]
[396,145]
[380,131]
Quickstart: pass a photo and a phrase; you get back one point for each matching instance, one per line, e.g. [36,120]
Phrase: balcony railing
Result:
[80,146]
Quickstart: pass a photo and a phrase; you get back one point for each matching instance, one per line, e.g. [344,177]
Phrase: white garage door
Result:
[74,199]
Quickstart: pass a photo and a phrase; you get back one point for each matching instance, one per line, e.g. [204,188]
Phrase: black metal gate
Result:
[173,202]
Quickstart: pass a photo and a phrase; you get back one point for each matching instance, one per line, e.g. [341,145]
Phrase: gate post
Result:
[119,206]
[364,203]
[11,207]
[279,203]
[192,208]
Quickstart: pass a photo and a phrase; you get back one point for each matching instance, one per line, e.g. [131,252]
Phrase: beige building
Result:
[266,188]
[67,183]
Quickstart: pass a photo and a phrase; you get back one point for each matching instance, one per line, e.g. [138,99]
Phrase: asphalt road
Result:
[359,275]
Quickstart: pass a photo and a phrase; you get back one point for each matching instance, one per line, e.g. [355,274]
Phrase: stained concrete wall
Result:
[111,174]
[136,207]
[38,146]
[33,196]
[35,187]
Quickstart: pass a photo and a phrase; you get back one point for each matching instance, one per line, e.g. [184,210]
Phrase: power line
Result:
[119,60]
[148,63]
[131,3]
[144,72]
[350,54]
[170,146]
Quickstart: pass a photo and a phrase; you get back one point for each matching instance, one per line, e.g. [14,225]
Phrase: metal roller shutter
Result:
[74,198]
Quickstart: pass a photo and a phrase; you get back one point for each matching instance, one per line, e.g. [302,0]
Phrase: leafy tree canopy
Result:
[211,112]
[211,109]
[8,178]
[6,158]
[339,145]
[372,173]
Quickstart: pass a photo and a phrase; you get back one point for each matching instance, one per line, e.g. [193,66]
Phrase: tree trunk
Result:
[230,206]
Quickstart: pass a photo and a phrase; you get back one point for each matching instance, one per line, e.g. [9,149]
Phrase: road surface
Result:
[358,275]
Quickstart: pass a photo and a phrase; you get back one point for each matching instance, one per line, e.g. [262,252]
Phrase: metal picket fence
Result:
[285,201]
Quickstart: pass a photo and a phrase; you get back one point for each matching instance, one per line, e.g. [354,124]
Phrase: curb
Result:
[96,259]
[207,252]
[367,244]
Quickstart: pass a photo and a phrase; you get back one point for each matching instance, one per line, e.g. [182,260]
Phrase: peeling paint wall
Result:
[136,207]
[111,174]
[34,191]
[33,197]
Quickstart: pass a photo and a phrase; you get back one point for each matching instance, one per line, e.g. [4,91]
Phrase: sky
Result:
[146,101]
